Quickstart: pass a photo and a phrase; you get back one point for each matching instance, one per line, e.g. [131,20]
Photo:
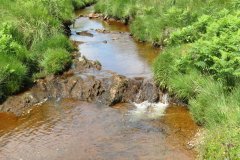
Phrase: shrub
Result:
[12,75]
[190,33]
[56,61]
[214,49]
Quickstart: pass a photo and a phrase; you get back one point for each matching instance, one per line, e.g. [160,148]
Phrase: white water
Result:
[147,110]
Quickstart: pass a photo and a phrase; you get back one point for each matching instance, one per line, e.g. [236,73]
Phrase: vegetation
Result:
[82,3]
[200,61]
[32,40]
[55,60]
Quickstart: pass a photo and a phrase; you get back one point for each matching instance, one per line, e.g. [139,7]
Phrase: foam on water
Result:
[147,110]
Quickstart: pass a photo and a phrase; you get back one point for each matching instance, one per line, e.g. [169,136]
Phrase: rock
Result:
[105,17]
[77,43]
[66,27]
[85,33]
[115,38]
[82,59]
[108,90]
[20,103]
[69,73]
[50,77]
[102,31]
[81,64]
[97,65]
[94,15]
[111,20]
[115,90]
[148,91]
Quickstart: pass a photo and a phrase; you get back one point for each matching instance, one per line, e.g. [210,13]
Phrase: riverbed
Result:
[74,130]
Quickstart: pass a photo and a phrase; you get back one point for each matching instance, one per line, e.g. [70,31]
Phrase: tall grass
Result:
[200,62]
[211,104]
[154,20]
[55,61]
[78,4]
[221,142]
[29,30]
[13,74]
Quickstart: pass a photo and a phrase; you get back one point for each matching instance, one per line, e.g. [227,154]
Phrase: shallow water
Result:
[75,130]
[116,50]
[66,129]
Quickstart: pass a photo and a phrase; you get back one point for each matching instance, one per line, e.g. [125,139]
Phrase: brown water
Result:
[66,129]
[73,130]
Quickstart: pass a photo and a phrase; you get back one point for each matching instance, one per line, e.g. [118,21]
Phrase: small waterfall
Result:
[165,98]
[148,110]
[57,102]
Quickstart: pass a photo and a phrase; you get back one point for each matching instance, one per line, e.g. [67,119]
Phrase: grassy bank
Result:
[32,40]
[200,61]
[79,4]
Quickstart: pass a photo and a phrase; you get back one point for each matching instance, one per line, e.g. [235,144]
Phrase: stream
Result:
[67,129]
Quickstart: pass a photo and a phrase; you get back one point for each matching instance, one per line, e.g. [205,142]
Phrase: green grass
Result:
[54,42]
[78,4]
[55,61]
[211,103]
[29,30]
[200,61]
[13,74]
[221,142]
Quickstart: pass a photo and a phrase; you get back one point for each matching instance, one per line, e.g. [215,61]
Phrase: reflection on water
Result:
[76,130]
[116,50]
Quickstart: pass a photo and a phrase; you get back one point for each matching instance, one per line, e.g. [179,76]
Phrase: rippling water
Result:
[74,130]
[66,129]
[117,51]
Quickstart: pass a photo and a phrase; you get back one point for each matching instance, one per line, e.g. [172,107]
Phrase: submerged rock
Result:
[85,33]
[102,31]
[94,15]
